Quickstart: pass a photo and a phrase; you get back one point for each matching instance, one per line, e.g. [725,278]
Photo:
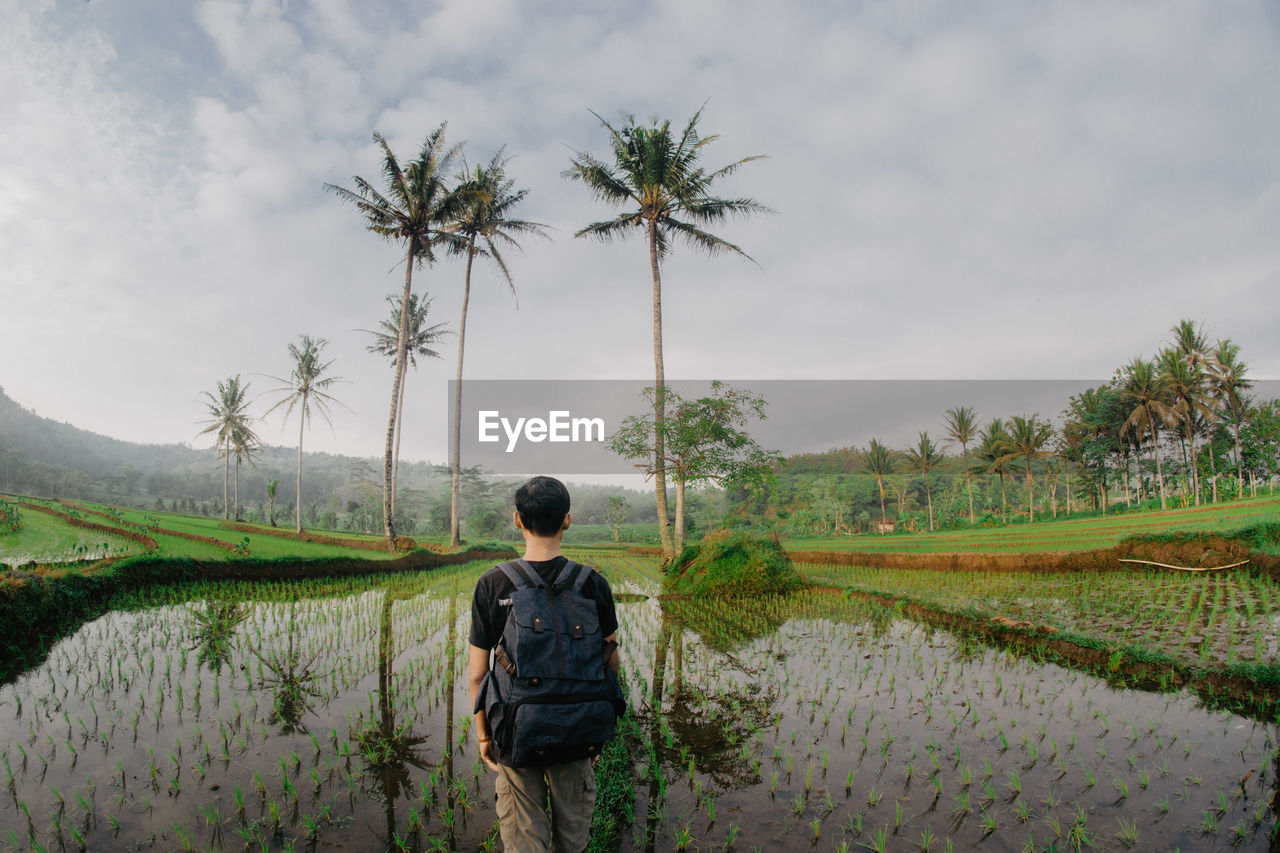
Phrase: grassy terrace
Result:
[1063,535]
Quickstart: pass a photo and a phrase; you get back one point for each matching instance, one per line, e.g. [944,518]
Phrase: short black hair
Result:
[543,502]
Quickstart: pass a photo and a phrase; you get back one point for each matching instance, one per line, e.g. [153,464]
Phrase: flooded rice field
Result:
[334,716]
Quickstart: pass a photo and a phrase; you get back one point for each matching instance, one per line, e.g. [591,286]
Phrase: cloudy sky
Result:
[978,190]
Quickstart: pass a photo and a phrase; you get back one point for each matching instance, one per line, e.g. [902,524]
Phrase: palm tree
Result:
[228,415]
[1184,384]
[962,428]
[658,177]
[306,386]
[879,461]
[386,341]
[925,455]
[272,486]
[417,202]
[1027,437]
[1229,381]
[243,444]
[993,455]
[1143,395]
[482,222]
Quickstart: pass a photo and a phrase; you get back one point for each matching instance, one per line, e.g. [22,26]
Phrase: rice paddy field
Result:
[333,715]
[1074,534]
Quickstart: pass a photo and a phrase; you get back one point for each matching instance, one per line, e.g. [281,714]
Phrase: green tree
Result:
[1027,438]
[880,463]
[1188,399]
[925,456]
[421,339]
[273,485]
[658,177]
[615,513]
[1229,381]
[993,456]
[417,202]
[484,221]
[244,444]
[306,386]
[229,422]
[702,440]
[962,428]
[1143,394]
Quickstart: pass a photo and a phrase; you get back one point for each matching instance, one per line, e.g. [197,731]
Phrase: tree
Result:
[962,428]
[702,440]
[615,514]
[1143,396]
[421,339]
[243,444]
[993,455]
[306,386]
[418,201]
[272,486]
[658,177]
[1027,438]
[482,221]
[925,456]
[1183,381]
[879,461]
[228,418]
[1229,381]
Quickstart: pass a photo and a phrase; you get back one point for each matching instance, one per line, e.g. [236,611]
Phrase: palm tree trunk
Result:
[1066,467]
[1239,459]
[1195,469]
[659,402]
[402,345]
[226,474]
[1031,507]
[455,537]
[302,424]
[679,529]
[1004,511]
[967,485]
[395,458]
[928,494]
[880,483]
[1155,451]
[236,514]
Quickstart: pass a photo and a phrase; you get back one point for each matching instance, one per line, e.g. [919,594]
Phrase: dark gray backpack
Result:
[550,698]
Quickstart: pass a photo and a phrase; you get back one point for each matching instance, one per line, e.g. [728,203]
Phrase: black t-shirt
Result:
[489,618]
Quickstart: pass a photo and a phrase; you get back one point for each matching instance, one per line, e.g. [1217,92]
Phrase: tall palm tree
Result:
[879,460]
[483,221]
[1229,381]
[962,428]
[306,386]
[924,456]
[1144,398]
[228,415]
[993,454]
[421,339]
[1027,438]
[1188,398]
[417,201]
[658,177]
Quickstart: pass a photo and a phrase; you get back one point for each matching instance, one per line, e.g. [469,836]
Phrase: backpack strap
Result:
[571,576]
[521,574]
[582,578]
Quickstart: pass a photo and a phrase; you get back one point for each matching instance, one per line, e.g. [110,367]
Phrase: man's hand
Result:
[486,755]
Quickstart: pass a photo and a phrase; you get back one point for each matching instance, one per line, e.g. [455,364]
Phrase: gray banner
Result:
[561,426]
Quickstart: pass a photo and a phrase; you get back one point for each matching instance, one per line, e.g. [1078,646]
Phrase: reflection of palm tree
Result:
[388,748]
[292,678]
[213,628]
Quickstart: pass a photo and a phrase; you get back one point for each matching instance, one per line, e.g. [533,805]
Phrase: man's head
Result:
[542,505]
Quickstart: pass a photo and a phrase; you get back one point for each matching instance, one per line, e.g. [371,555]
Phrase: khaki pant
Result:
[522,807]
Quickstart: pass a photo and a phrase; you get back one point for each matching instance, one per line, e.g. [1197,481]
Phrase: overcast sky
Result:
[977,190]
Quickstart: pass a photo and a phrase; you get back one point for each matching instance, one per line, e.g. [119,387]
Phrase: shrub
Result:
[733,564]
[10,519]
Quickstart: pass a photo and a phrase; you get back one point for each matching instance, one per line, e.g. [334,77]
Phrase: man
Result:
[542,515]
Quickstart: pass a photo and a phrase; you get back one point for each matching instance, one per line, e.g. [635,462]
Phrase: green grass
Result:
[47,539]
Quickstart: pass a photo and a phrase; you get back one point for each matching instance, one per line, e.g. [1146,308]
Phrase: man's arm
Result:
[612,662]
[477,669]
